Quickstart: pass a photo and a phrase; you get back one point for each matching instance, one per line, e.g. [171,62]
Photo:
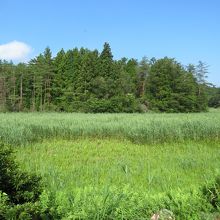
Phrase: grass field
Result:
[145,168]
[26,128]
[118,166]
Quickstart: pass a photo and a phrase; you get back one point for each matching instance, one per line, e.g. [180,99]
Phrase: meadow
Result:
[118,166]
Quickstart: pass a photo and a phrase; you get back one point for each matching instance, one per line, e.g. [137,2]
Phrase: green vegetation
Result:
[23,128]
[81,80]
[18,189]
[101,163]
[214,97]
[117,166]
[109,179]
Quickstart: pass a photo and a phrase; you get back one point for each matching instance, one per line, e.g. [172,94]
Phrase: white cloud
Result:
[14,50]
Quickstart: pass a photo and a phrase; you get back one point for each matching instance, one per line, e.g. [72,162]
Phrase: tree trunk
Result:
[21,94]
[33,95]
[2,93]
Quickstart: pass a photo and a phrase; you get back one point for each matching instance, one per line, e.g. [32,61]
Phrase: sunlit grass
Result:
[118,166]
[98,163]
[26,128]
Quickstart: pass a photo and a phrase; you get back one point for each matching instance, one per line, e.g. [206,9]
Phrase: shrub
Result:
[18,190]
[20,186]
[116,104]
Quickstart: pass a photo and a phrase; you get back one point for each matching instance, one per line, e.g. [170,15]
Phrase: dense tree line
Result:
[81,80]
[213,97]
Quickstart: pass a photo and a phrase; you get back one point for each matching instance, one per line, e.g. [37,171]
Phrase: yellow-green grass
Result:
[89,178]
[65,165]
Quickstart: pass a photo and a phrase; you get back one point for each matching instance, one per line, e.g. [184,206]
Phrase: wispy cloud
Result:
[15,50]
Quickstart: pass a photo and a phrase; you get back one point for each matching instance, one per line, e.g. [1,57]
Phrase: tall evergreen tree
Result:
[58,82]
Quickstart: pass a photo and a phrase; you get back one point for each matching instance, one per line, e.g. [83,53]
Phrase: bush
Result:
[215,101]
[20,186]
[18,190]
[116,104]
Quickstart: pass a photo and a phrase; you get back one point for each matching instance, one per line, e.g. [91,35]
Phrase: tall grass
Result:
[93,166]
[25,128]
[148,168]
[112,179]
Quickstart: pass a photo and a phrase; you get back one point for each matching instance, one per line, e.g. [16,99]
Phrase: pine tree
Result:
[106,61]
[48,69]
[58,83]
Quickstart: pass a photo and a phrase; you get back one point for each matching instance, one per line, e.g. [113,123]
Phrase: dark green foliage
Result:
[19,186]
[213,97]
[115,104]
[81,80]
[170,88]
[212,193]
[19,191]
[215,101]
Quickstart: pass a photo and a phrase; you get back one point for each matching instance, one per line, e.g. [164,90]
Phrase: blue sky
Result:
[188,30]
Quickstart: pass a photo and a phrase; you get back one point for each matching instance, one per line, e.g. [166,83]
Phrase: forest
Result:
[82,80]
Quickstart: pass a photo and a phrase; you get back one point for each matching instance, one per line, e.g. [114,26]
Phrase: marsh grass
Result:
[26,128]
